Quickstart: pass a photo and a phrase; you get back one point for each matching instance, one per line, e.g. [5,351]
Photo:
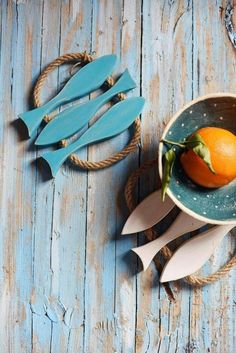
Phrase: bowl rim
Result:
[160,150]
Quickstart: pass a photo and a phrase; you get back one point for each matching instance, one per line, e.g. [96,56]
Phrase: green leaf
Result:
[169,158]
[197,144]
[173,143]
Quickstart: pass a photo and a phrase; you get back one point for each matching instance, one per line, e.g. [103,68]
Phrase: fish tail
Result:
[55,159]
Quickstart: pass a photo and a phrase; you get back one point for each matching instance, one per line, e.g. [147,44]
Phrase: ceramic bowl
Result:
[216,206]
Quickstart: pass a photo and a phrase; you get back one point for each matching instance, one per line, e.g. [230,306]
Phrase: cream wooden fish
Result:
[148,213]
[181,225]
[193,253]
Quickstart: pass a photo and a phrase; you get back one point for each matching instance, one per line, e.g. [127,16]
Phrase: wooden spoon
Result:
[181,225]
[193,253]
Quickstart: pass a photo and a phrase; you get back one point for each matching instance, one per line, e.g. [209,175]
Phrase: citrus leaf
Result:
[169,158]
[173,143]
[197,144]
[193,141]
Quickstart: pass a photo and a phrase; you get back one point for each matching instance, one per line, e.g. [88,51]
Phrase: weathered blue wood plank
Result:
[126,265]
[212,312]
[166,84]
[43,321]
[17,176]
[100,318]
[70,203]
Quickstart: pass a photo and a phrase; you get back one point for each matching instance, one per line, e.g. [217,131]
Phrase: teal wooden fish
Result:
[87,79]
[113,122]
[71,120]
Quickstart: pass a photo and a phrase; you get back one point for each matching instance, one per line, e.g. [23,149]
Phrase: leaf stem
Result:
[173,143]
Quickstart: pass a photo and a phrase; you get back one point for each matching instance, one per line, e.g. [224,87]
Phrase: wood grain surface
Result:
[68,282]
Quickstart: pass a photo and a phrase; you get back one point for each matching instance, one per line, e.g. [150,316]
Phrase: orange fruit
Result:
[222,146]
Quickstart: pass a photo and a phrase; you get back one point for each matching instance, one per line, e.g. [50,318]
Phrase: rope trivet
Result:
[151,234]
[79,58]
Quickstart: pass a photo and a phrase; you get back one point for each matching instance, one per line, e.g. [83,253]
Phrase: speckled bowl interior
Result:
[216,206]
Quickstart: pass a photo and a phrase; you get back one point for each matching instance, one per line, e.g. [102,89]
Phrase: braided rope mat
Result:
[151,234]
[77,59]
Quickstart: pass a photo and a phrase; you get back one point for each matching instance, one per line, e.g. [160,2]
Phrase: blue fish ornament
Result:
[117,119]
[87,79]
[73,119]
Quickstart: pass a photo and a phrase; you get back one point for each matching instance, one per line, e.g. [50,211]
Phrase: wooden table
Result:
[68,282]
